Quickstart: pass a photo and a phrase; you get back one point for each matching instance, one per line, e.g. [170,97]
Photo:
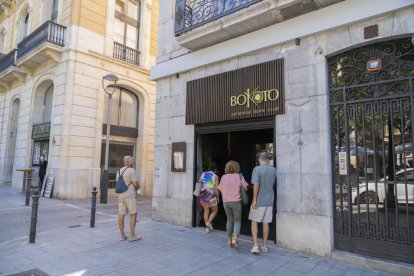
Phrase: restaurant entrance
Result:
[238,141]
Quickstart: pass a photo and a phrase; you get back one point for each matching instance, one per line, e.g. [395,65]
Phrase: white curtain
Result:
[124,108]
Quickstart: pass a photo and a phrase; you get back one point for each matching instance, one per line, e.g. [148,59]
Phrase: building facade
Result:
[326,87]
[52,102]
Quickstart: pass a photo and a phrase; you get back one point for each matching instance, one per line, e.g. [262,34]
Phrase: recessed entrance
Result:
[220,144]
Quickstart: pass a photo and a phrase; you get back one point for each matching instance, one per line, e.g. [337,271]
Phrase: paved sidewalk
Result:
[65,245]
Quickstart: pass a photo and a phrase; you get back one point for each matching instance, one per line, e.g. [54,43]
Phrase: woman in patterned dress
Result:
[209,195]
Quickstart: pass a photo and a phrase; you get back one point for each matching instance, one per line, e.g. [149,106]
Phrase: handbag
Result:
[197,189]
[243,194]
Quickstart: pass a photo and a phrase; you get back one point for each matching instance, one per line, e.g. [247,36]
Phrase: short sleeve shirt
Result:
[129,176]
[264,175]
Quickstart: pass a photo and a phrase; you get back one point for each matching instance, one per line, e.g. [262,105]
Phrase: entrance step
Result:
[374,263]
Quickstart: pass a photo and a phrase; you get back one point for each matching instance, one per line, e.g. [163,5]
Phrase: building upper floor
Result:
[195,33]
[35,31]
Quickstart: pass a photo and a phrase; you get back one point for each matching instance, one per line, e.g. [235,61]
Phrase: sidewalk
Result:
[65,245]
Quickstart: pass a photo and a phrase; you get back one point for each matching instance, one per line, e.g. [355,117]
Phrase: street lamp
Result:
[104,184]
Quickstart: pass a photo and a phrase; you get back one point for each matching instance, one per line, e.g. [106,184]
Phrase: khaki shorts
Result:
[261,214]
[127,203]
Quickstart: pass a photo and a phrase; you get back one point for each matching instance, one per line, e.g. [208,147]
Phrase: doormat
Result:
[31,272]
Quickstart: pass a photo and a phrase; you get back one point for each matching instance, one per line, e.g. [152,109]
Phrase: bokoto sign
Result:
[250,92]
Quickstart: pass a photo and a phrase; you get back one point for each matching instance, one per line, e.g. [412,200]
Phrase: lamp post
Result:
[104,184]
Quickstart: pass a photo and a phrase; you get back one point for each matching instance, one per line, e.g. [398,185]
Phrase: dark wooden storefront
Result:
[235,111]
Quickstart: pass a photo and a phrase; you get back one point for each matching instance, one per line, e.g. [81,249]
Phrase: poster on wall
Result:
[178,156]
[48,186]
[36,153]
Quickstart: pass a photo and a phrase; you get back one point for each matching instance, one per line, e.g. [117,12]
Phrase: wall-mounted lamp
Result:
[177,76]
[297,41]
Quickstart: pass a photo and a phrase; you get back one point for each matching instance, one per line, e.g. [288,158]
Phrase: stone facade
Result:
[76,72]
[304,189]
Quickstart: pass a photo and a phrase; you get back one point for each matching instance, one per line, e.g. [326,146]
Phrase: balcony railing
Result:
[125,53]
[48,32]
[190,14]
[8,60]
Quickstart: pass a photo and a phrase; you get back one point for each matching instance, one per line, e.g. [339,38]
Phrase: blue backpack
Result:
[120,186]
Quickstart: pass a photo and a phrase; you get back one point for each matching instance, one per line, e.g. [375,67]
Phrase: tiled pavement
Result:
[66,245]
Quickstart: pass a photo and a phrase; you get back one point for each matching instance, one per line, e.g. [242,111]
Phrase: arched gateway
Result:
[372,111]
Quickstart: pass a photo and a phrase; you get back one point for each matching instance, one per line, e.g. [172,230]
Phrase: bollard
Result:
[93,209]
[35,204]
[28,185]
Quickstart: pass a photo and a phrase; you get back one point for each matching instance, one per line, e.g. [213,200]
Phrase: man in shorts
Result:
[261,210]
[127,201]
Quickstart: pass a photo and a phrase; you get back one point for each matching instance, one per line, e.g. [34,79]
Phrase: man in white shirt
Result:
[127,200]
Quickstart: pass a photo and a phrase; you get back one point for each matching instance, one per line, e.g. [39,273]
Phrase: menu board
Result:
[36,153]
[48,186]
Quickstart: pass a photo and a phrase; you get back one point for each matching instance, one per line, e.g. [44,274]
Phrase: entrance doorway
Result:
[221,145]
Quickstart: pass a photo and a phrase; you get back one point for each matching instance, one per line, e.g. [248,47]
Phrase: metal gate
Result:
[371,109]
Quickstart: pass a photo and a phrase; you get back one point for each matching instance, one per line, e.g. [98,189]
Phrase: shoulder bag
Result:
[197,188]
[243,194]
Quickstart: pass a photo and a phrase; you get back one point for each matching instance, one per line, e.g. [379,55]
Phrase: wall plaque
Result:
[41,131]
[371,31]
[251,92]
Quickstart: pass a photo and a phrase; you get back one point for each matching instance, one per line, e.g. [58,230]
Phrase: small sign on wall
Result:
[343,165]
[178,157]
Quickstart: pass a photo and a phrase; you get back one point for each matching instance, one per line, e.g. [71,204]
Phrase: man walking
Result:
[261,211]
[127,201]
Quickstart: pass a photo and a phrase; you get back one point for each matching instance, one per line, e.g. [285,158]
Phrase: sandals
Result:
[229,244]
[209,226]
[135,238]
[256,250]
[234,242]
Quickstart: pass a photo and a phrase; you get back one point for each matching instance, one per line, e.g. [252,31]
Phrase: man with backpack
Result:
[126,178]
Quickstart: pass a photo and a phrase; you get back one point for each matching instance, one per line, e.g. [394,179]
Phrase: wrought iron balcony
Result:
[126,54]
[48,32]
[7,60]
[190,14]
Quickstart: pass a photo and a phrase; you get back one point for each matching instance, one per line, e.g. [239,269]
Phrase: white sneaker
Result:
[207,230]
[255,250]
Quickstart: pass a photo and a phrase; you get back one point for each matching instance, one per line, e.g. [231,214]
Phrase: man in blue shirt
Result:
[261,210]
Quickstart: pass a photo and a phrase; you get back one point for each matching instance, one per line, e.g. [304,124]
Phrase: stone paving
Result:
[66,245]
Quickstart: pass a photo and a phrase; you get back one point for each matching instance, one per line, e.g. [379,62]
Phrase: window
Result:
[2,41]
[117,151]
[127,17]
[23,27]
[124,108]
[55,10]
[26,26]
[47,105]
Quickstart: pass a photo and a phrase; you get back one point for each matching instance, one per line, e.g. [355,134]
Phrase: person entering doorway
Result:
[261,210]
[209,195]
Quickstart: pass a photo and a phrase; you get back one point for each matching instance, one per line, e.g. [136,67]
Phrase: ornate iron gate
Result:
[372,113]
